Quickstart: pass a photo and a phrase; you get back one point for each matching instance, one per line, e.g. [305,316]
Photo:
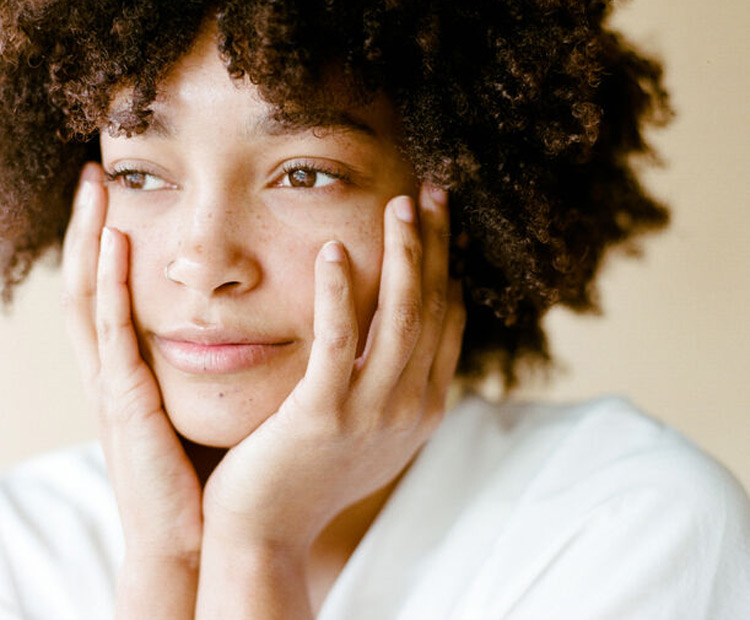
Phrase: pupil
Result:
[302,178]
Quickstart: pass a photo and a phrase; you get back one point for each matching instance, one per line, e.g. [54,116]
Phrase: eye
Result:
[309,177]
[138,180]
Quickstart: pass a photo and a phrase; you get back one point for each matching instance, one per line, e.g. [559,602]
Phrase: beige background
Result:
[675,336]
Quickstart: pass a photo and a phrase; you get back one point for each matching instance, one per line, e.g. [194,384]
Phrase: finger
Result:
[435,232]
[154,482]
[80,257]
[334,346]
[129,382]
[397,324]
[448,349]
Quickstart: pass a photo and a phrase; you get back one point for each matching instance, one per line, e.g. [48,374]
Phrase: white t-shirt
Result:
[520,512]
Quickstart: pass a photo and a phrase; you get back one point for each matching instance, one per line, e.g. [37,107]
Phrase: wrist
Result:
[175,543]
[154,585]
[248,549]
[250,579]
[153,560]
[258,534]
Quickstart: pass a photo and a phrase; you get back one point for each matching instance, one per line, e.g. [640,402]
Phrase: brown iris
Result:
[302,178]
[133,180]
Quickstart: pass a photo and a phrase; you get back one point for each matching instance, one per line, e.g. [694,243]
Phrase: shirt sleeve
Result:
[8,605]
[60,540]
[676,547]
[9,608]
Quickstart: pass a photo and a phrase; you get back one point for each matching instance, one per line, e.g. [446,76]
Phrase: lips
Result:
[216,351]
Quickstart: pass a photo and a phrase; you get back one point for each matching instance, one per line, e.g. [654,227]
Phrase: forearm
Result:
[260,582]
[157,588]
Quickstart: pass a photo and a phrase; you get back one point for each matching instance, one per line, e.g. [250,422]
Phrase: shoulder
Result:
[599,493]
[59,529]
[606,442]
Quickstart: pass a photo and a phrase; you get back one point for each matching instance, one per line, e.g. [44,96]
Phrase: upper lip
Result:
[216,335]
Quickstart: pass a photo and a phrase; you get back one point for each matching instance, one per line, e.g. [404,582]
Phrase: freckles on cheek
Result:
[146,272]
[145,256]
[366,257]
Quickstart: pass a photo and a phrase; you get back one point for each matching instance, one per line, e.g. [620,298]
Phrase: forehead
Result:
[199,86]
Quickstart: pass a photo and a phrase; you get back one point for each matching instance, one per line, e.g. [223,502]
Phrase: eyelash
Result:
[315,167]
[117,175]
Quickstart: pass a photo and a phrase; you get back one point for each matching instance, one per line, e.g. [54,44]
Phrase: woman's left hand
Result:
[351,425]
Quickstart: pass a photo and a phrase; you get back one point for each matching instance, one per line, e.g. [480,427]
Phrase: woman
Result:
[269,309]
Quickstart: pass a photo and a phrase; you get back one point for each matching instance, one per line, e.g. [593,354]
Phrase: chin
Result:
[218,416]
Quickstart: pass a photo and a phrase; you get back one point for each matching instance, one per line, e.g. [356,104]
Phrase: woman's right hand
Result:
[157,490]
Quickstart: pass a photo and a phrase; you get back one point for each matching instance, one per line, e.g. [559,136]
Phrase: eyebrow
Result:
[160,125]
[271,124]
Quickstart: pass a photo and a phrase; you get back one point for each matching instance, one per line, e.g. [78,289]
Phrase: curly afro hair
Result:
[527,111]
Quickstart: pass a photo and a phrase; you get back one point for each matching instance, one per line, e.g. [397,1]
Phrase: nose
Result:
[213,257]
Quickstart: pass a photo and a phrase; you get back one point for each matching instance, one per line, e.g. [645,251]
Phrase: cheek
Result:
[366,262]
[148,257]
[362,238]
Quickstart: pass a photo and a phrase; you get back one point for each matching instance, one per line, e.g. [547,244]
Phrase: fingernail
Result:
[91,172]
[85,193]
[438,194]
[404,209]
[333,252]
[89,176]
[108,240]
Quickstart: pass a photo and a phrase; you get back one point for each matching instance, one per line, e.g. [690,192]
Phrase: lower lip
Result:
[217,359]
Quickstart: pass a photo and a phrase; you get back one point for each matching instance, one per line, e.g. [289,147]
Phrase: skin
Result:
[347,277]
[237,240]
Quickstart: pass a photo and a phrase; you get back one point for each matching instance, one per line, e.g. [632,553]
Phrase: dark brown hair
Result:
[527,111]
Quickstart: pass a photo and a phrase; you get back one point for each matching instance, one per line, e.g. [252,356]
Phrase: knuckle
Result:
[104,329]
[406,318]
[339,339]
[413,252]
[122,401]
[337,289]
[107,330]
[443,231]
[436,304]
[406,419]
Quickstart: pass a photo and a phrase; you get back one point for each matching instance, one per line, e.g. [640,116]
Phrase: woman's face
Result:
[226,211]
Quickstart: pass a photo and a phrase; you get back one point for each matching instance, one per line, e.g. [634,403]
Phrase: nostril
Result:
[228,287]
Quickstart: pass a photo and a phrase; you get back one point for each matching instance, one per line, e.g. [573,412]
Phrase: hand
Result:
[351,425]
[157,490]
